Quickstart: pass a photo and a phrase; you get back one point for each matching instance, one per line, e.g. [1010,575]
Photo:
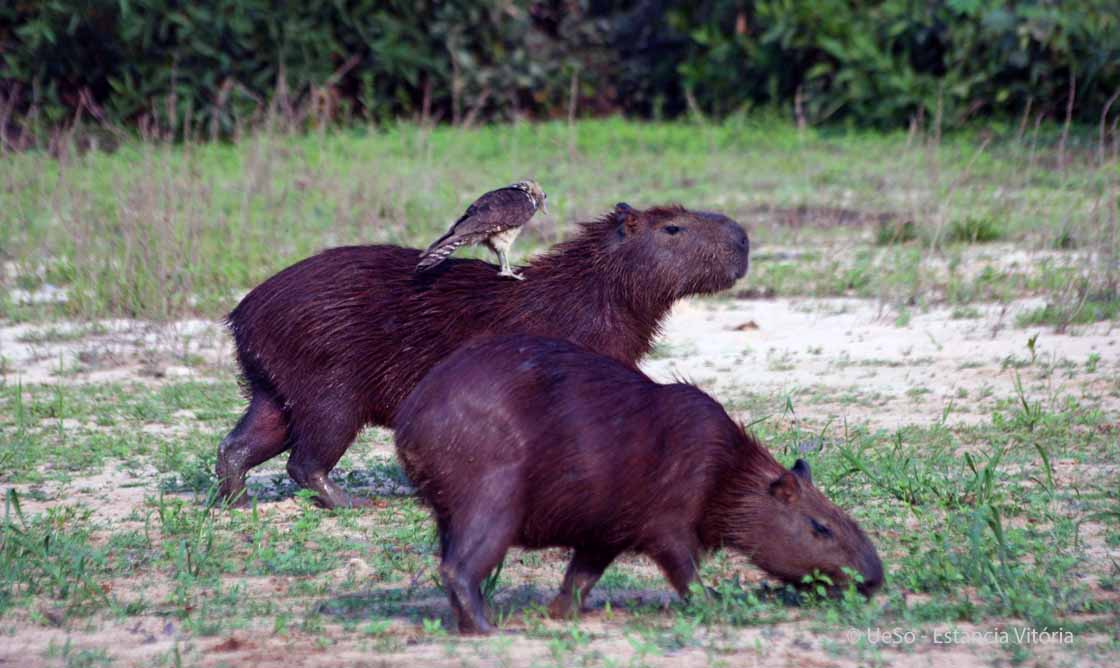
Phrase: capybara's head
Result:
[680,252]
[791,530]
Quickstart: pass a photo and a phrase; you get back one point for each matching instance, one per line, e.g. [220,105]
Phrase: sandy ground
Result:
[850,358]
[108,351]
[837,360]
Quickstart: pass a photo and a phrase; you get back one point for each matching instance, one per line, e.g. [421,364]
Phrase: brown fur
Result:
[337,341]
[535,442]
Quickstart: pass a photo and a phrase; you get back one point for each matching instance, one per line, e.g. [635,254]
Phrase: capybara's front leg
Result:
[584,571]
[260,435]
[678,557]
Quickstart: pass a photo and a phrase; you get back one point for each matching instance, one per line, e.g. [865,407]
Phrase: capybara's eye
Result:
[820,529]
[671,229]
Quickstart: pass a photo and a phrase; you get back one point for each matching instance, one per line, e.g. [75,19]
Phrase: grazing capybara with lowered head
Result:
[337,341]
[535,442]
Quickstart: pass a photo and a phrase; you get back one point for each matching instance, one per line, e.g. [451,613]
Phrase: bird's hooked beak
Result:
[544,206]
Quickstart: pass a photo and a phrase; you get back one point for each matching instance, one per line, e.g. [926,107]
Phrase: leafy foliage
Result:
[213,63]
[885,61]
[216,62]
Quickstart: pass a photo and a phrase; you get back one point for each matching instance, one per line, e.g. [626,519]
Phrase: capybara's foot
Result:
[341,499]
[356,502]
[328,494]
[239,500]
[561,607]
[232,491]
[331,497]
[231,484]
[477,627]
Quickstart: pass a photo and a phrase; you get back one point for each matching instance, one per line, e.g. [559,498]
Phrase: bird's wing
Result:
[496,211]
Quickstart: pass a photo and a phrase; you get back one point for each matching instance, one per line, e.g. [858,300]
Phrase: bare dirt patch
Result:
[851,359]
[113,351]
[837,360]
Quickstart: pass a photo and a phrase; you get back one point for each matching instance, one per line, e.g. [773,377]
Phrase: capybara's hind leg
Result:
[317,445]
[260,435]
[584,571]
[471,550]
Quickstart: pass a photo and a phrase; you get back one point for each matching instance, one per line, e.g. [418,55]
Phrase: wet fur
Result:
[337,341]
[533,442]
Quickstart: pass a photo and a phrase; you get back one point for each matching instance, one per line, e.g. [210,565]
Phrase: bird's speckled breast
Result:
[504,240]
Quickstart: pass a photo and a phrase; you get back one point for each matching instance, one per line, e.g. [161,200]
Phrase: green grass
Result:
[159,231]
[1082,312]
[968,539]
[1007,518]
[975,229]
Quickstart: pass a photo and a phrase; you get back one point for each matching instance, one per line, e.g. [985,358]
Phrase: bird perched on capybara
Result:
[337,341]
[536,442]
[495,219]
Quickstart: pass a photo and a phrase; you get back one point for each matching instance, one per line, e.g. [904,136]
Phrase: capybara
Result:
[536,442]
[337,341]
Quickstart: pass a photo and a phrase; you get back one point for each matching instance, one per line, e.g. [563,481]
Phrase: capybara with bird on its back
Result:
[337,341]
[535,442]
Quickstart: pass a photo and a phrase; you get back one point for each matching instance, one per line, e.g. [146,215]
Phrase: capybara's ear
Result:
[802,470]
[628,216]
[785,488]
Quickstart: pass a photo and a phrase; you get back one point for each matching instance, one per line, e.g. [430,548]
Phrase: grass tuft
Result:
[975,230]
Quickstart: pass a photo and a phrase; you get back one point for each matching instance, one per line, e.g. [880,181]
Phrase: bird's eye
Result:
[672,229]
[820,529]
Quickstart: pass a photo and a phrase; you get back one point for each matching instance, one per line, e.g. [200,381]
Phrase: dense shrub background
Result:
[881,62]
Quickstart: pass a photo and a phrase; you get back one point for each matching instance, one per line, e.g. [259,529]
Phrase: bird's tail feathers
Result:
[438,252]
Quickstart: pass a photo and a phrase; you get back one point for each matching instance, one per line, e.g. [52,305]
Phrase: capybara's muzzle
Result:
[740,249]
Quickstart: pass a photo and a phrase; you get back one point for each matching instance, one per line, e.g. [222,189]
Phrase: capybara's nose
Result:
[741,244]
[872,572]
[740,236]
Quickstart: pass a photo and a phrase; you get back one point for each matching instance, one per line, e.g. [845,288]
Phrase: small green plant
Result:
[50,555]
[903,319]
[974,229]
[377,627]
[895,232]
[490,584]
[433,627]
[1030,413]
[73,657]
[1032,344]
[1080,310]
[816,587]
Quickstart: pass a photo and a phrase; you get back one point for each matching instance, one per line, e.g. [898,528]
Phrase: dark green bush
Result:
[886,61]
[883,62]
[212,62]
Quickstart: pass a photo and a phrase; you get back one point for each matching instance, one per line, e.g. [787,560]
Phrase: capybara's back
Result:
[537,442]
[337,341]
[589,450]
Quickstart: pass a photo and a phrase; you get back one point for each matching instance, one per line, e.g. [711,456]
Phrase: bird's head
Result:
[533,189]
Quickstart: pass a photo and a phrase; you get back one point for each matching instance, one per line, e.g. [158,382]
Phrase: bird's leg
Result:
[507,270]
